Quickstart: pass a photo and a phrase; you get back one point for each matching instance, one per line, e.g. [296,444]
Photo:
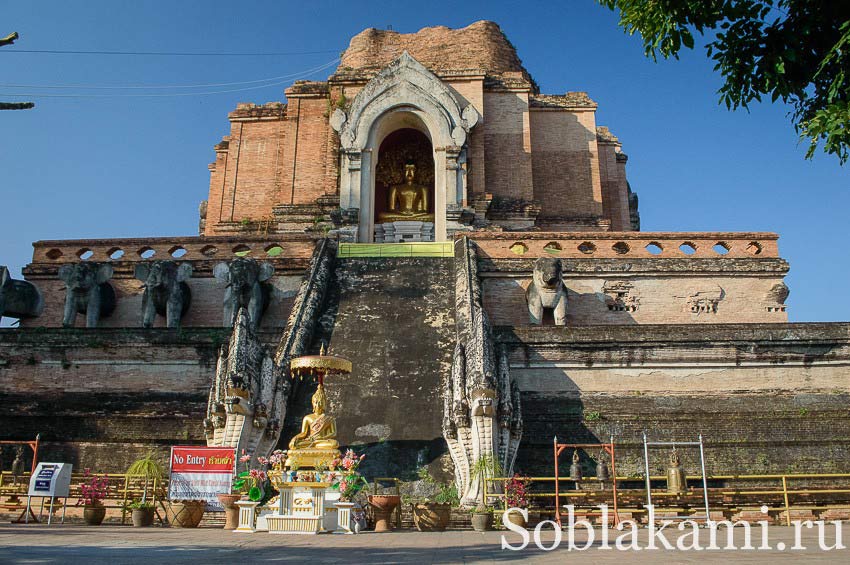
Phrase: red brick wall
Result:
[274,156]
[565,163]
[507,145]
[615,193]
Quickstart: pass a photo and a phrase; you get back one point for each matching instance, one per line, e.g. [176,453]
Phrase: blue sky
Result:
[137,166]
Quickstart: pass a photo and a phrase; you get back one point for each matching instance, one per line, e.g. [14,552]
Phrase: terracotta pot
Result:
[383,505]
[186,513]
[482,521]
[94,515]
[231,511]
[431,517]
[142,517]
[516,518]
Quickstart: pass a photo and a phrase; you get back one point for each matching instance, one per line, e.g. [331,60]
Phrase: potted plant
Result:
[485,468]
[346,478]
[141,513]
[253,483]
[93,491]
[516,496]
[433,515]
[185,513]
[153,473]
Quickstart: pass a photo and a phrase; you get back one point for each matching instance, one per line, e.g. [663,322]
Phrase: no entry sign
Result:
[200,473]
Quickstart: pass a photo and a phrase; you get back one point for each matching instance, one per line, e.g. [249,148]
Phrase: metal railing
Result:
[121,491]
[725,497]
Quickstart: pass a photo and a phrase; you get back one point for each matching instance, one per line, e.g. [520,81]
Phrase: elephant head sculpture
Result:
[166,292]
[18,299]
[245,280]
[87,292]
[547,291]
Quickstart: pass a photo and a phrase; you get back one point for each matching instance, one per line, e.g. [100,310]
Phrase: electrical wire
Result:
[170,94]
[152,87]
[164,53]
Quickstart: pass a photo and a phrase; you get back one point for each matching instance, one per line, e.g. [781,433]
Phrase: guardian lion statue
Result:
[547,290]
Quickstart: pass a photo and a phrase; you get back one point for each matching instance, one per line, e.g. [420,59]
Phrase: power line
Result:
[168,53]
[170,94]
[142,86]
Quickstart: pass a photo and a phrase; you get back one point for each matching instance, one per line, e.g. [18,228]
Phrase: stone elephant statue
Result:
[87,292]
[166,293]
[547,291]
[18,299]
[245,280]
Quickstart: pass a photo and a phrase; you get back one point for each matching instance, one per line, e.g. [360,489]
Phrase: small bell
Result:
[575,468]
[676,482]
[602,473]
[18,464]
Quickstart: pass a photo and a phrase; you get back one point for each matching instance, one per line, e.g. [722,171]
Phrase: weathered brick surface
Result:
[615,192]
[207,292]
[663,298]
[101,397]
[527,147]
[276,154]
[394,319]
[507,145]
[565,163]
[481,45]
[767,399]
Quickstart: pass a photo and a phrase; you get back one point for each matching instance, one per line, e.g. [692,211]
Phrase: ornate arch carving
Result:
[405,82]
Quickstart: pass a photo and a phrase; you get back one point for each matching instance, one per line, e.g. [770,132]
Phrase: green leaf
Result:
[255,494]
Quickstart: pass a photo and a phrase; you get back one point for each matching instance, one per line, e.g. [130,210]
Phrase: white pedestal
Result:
[246,516]
[343,517]
[404,232]
[304,508]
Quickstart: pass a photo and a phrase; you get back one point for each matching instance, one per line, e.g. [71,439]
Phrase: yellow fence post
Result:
[787,506]
[124,501]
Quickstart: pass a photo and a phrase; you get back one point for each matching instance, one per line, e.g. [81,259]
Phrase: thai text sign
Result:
[200,473]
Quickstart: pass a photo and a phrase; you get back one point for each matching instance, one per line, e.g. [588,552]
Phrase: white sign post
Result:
[50,480]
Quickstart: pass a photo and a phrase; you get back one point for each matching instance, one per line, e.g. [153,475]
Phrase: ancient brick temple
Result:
[539,309]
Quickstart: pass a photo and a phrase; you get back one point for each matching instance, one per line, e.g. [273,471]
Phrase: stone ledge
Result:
[523,266]
[101,337]
[799,333]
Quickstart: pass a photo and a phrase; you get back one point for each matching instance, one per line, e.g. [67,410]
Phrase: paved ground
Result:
[116,545]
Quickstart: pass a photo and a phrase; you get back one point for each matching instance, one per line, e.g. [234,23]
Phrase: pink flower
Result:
[255,474]
[244,458]
[262,475]
[262,460]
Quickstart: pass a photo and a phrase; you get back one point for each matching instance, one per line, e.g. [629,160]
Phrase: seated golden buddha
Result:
[407,202]
[316,444]
[318,430]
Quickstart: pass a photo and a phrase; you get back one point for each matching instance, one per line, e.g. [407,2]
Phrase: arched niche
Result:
[397,149]
[404,95]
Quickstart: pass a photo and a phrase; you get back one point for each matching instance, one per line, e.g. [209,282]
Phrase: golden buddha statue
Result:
[317,440]
[407,202]
[318,430]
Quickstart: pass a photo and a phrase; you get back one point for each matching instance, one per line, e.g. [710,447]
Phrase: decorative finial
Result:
[322,349]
